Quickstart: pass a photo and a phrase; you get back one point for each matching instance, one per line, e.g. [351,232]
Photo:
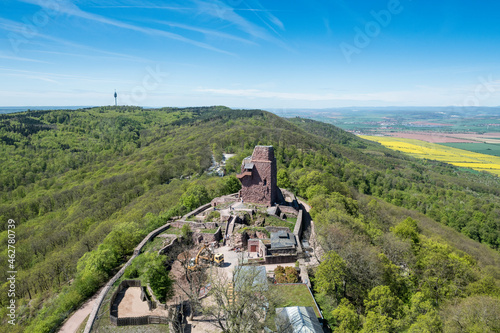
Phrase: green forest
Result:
[409,245]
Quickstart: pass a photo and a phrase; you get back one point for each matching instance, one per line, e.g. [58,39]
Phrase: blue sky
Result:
[250,53]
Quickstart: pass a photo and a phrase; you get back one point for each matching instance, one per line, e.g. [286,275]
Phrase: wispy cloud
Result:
[208,32]
[221,11]
[146,7]
[270,20]
[256,93]
[55,77]
[3,56]
[20,30]
[383,96]
[72,10]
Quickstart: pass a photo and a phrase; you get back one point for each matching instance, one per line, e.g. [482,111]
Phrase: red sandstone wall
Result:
[264,172]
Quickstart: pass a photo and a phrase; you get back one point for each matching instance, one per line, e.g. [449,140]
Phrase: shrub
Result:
[158,279]
[214,215]
[186,232]
[131,272]
[286,274]
[291,274]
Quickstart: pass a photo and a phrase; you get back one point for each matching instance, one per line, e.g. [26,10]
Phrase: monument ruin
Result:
[258,177]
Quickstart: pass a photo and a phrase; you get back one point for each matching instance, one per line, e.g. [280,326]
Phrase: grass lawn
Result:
[172,231]
[209,231]
[154,245]
[275,221]
[296,295]
[293,295]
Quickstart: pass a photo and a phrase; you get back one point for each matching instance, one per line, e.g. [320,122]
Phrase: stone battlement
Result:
[263,153]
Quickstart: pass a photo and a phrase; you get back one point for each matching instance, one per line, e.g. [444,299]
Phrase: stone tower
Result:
[258,177]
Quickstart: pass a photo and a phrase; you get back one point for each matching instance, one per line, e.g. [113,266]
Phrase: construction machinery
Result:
[206,256]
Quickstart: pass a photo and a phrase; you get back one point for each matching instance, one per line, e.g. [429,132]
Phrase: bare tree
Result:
[240,303]
[194,279]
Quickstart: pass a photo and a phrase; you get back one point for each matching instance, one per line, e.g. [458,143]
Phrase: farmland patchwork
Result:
[458,157]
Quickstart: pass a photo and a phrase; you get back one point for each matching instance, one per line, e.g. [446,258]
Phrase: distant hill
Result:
[84,186]
[13,109]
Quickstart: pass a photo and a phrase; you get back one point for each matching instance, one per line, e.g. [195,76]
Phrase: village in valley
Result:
[237,264]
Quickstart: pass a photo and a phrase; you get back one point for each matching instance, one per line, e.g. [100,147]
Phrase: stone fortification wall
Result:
[197,225]
[201,237]
[276,229]
[196,211]
[224,199]
[288,210]
[297,231]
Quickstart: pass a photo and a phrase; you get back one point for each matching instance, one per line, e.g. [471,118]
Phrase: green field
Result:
[481,148]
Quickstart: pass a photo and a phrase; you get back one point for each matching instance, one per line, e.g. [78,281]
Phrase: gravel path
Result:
[73,323]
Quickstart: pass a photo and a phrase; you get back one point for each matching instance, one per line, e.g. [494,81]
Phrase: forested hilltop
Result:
[409,244]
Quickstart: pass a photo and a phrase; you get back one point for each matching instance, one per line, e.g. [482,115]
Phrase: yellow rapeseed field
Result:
[432,151]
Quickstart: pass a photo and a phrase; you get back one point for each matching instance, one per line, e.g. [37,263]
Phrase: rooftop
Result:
[282,239]
[248,166]
[257,274]
[297,319]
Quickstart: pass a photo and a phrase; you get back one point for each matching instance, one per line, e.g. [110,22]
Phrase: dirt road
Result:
[72,324]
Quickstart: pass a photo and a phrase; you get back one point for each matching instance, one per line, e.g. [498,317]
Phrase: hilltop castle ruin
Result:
[258,177]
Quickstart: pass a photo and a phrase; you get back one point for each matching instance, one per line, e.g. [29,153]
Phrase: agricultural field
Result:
[458,157]
[481,148]
[377,120]
[440,137]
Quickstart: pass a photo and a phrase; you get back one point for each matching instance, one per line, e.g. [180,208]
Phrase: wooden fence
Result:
[127,321]
[144,320]
[107,287]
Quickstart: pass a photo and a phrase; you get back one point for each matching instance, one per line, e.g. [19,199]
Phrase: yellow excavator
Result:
[206,258]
